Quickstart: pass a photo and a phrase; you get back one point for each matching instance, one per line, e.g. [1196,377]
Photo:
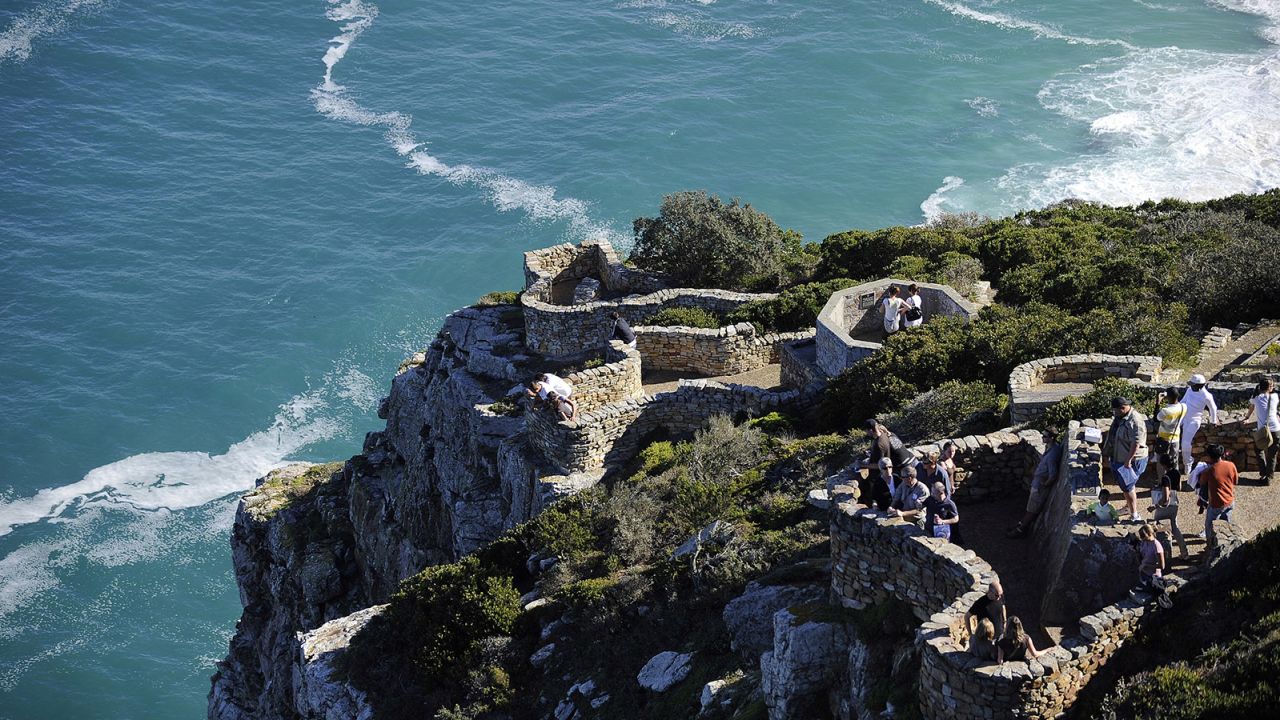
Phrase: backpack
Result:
[914,313]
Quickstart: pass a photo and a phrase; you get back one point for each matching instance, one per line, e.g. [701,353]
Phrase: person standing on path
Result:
[1164,498]
[1169,415]
[893,307]
[1219,481]
[622,331]
[1197,399]
[1266,437]
[1126,447]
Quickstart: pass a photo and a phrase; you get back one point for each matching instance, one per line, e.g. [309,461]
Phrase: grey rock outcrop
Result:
[317,692]
[749,617]
[445,476]
[807,658]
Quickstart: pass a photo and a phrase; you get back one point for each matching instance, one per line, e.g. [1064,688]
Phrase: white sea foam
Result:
[692,22]
[505,193]
[984,106]
[45,19]
[932,207]
[1269,9]
[1013,23]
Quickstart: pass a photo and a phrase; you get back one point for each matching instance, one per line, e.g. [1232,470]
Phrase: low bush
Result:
[499,297]
[1097,403]
[794,309]
[952,409]
[685,317]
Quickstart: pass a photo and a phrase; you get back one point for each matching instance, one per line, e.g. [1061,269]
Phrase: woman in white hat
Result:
[1197,399]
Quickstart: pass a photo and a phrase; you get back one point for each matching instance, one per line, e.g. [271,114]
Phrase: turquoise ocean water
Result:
[223,224]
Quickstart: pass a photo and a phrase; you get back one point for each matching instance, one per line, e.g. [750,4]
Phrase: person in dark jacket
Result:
[622,331]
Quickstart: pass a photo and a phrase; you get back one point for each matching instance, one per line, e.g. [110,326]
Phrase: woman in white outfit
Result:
[915,308]
[1197,399]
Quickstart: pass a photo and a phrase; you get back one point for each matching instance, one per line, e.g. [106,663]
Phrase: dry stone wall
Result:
[800,368]
[611,435]
[878,559]
[855,311]
[558,329]
[1024,405]
[991,465]
[617,380]
[724,351]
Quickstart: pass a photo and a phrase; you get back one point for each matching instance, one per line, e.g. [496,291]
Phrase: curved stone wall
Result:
[563,329]
[611,435]
[1024,403]
[855,312]
[728,350]
[878,559]
[617,380]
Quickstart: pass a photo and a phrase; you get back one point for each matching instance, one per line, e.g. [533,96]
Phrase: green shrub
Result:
[687,317]
[952,409]
[773,423]
[587,593]
[1097,403]
[867,254]
[658,456]
[567,529]
[794,309]
[499,297]
[700,241]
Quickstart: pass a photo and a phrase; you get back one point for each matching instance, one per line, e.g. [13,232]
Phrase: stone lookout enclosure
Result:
[850,325]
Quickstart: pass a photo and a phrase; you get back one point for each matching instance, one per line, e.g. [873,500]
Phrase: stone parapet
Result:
[611,435]
[555,325]
[877,559]
[617,380]
[991,465]
[728,350]
[855,312]
[1026,405]
[799,366]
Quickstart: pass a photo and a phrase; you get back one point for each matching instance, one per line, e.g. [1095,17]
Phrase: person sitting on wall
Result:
[1102,510]
[1042,482]
[1016,644]
[622,331]
[1164,496]
[940,513]
[989,607]
[564,407]
[1126,448]
[908,497]
[893,308]
[885,444]
[548,383]
[982,642]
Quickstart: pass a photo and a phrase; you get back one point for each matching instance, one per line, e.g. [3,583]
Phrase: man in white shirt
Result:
[552,383]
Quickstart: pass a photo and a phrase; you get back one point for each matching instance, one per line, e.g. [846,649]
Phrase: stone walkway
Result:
[1236,350]
[660,381]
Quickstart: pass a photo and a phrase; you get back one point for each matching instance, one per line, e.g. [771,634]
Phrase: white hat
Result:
[1197,379]
[886,462]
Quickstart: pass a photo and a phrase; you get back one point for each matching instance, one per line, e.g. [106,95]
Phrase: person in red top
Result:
[1220,481]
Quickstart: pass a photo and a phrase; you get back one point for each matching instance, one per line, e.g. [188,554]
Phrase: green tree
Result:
[701,241]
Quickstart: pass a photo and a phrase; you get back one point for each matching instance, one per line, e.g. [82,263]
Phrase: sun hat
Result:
[1197,379]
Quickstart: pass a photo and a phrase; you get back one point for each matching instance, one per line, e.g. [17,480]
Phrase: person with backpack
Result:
[914,315]
[1266,437]
[894,308]
[1169,415]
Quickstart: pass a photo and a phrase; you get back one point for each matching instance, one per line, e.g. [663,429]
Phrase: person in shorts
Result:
[1126,448]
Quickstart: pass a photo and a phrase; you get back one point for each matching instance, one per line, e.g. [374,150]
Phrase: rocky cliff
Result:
[314,543]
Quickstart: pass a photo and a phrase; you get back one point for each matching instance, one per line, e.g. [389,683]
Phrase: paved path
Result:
[658,381]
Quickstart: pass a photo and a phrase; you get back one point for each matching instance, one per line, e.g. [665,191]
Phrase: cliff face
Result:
[312,544]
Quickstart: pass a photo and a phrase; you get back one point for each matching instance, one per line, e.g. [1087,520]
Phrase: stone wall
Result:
[992,465]
[723,351]
[613,434]
[617,380]
[800,368]
[1232,432]
[877,559]
[559,329]
[1024,406]
[855,312]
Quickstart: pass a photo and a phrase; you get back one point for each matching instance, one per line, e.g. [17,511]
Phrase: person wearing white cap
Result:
[1197,399]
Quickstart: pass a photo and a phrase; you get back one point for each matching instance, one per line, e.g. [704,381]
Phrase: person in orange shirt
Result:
[1220,481]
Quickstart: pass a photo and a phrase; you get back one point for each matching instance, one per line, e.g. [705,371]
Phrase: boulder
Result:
[664,670]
